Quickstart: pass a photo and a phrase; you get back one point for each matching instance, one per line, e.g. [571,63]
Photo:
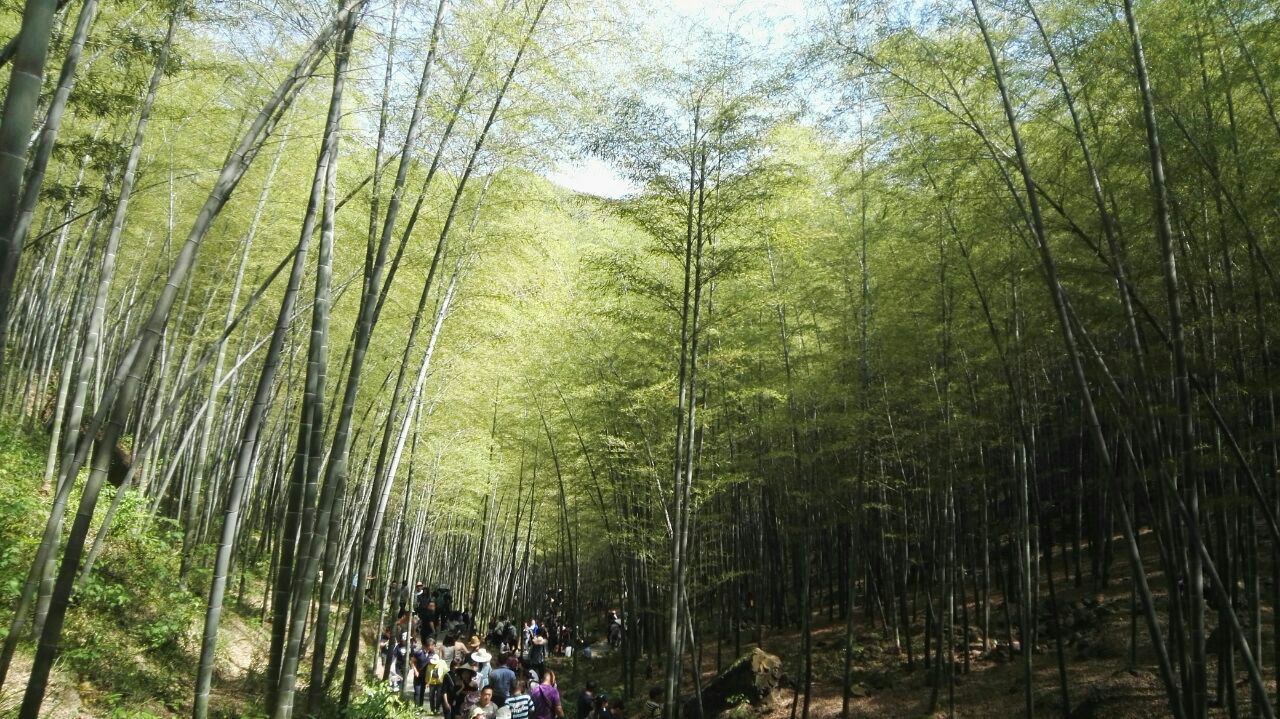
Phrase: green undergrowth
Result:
[131,627]
[22,511]
[377,701]
[128,643]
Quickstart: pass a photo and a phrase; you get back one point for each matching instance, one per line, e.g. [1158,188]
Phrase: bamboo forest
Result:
[657,359]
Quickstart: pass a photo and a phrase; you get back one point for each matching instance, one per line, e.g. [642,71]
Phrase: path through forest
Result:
[923,317]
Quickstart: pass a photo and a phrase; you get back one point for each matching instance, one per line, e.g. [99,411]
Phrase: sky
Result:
[592,176]
[764,23]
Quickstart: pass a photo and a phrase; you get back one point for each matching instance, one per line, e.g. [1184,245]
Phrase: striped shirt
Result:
[520,706]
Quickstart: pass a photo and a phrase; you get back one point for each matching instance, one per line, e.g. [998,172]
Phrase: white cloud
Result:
[592,176]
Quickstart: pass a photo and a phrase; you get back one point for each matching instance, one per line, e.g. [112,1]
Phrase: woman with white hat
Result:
[480,659]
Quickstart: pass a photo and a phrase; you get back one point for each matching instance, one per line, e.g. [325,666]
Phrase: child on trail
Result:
[435,682]
[653,707]
[520,703]
[385,646]
[398,664]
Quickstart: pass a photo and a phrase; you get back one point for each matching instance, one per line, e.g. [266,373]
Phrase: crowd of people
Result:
[457,675]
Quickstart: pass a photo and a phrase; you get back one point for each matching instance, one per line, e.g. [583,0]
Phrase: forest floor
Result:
[117,665]
[1096,631]
[63,700]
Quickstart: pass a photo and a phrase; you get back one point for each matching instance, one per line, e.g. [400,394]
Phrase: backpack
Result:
[541,704]
[436,672]
[454,688]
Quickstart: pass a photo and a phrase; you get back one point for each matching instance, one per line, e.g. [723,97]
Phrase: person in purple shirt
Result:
[546,698]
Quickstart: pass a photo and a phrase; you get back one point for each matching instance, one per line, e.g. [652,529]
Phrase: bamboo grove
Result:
[912,323]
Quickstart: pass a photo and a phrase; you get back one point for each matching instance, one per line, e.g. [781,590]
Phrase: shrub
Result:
[379,702]
[22,510]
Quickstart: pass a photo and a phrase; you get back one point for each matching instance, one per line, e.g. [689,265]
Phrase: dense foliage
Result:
[920,321]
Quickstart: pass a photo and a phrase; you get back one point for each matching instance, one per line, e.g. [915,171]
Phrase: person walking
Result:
[586,700]
[526,637]
[601,710]
[520,703]
[502,679]
[538,653]
[653,707]
[430,617]
[460,651]
[447,650]
[421,668]
[481,660]
[454,689]
[399,665]
[435,682]
[403,596]
[510,635]
[485,704]
[546,698]
[406,623]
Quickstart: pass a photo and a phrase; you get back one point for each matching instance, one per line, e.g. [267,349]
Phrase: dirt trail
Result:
[244,646]
[62,701]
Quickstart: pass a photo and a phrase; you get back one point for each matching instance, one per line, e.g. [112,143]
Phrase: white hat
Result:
[477,712]
[481,656]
